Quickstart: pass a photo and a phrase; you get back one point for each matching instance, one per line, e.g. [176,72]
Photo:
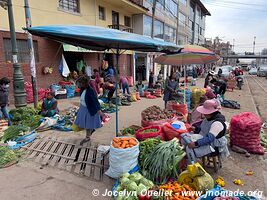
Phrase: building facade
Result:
[116,14]
[179,22]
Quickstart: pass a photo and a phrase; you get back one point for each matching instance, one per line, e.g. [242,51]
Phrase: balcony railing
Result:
[121,27]
[137,2]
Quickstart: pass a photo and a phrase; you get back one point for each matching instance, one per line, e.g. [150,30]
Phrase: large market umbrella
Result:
[188,55]
[100,39]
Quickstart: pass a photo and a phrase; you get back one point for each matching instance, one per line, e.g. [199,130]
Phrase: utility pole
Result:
[18,81]
[32,61]
[233,45]
[254,43]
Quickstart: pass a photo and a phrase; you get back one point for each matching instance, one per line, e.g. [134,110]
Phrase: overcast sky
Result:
[240,20]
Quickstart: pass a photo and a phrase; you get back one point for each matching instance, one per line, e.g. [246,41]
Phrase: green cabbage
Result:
[119,188]
[120,197]
[124,180]
[132,186]
[141,188]
[125,175]
[136,177]
[147,182]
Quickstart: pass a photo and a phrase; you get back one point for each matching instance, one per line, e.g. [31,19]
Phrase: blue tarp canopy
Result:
[99,38]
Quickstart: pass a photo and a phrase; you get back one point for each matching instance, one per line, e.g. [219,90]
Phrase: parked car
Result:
[262,70]
[225,71]
[253,71]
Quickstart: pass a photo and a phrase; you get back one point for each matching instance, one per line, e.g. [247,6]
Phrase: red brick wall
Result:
[49,53]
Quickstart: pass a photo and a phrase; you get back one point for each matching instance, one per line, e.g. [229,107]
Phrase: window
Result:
[181,40]
[147,25]
[115,18]
[160,4]
[192,11]
[191,25]
[69,5]
[158,32]
[182,19]
[23,51]
[171,7]
[127,21]
[102,14]
[184,2]
[170,34]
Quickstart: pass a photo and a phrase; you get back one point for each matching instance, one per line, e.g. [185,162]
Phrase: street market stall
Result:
[98,38]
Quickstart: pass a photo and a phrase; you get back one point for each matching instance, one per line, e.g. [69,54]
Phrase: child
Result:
[140,88]
[124,85]
[49,106]
[4,85]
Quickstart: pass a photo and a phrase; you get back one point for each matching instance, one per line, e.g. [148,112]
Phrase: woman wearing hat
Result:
[209,78]
[211,134]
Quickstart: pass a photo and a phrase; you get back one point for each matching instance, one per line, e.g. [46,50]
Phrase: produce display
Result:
[163,163]
[20,114]
[14,131]
[155,113]
[124,143]
[26,116]
[149,132]
[8,156]
[176,191]
[128,131]
[146,147]
[108,108]
[135,183]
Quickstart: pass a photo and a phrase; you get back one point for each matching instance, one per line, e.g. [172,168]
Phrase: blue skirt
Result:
[85,120]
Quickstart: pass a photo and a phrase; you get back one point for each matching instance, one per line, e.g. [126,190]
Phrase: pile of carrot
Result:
[176,190]
[123,143]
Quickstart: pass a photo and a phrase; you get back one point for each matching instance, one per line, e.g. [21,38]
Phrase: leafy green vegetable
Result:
[132,186]
[146,147]
[124,180]
[26,116]
[141,188]
[12,132]
[150,130]
[135,177]
[7,156]
[163,163]
[128,131]
[147,182]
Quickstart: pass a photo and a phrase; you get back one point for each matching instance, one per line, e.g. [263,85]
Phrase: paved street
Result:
[27,180]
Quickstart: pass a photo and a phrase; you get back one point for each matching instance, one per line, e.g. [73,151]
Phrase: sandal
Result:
[87,139]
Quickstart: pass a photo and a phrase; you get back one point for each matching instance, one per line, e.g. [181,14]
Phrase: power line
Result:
[232,7]
[238,3]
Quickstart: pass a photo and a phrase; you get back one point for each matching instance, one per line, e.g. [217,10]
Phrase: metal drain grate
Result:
[67,156]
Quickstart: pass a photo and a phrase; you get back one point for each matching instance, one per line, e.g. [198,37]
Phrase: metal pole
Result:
[254,42]
[18,81]
[32,61]
[116,87]
[177,23]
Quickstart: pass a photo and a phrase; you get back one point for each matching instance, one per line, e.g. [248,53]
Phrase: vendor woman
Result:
[89,114]
[170,88]
[211,137]
[49,106]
